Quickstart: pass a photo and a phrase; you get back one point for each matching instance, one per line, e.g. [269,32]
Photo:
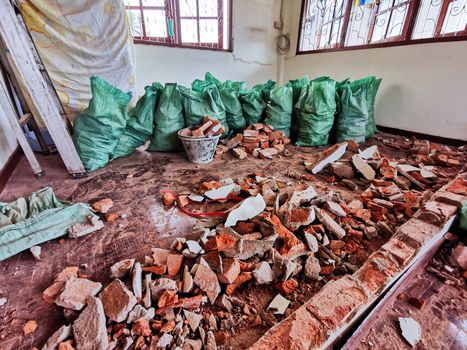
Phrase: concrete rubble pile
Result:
[259,140]
[208,128]
[280,234]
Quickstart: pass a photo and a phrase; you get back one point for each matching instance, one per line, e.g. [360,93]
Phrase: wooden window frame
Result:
[401,40]
[172,10]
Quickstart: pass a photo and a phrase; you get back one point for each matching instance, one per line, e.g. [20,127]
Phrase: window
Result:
[182,23]
[330,25]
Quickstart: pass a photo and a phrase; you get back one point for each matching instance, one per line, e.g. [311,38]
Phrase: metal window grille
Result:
[183,23]
[348,24]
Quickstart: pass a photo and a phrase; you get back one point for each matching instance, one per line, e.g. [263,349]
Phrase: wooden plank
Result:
[9,112]
[24,119]
[34,88]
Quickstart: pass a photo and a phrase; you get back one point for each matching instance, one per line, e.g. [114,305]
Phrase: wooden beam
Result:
[34,88]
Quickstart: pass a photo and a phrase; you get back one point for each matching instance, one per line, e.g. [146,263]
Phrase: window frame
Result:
[172,8]
[403,39]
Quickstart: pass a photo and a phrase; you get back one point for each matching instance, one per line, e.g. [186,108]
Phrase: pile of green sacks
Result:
[310,112]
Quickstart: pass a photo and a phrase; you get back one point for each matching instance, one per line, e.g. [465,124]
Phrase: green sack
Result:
[297,85]
[253,106]
[316,109]
[98,128]
[140,123]
[463,217]
[353,115]
[198,104]
[43,217]
[279,109]
[169,120]
[229,92]
[265,89]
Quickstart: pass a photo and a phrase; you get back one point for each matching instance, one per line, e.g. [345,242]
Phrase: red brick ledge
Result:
[329,313]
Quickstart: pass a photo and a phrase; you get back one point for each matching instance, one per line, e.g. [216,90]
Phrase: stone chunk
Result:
[363,167]
[76,291]
[89,329]
[117,300]
[263,273]
[51,293]
[103,206]
[59,336]
[334,228]
[312,268]
[279,304]
[122,268]
[335,208]
[206,279]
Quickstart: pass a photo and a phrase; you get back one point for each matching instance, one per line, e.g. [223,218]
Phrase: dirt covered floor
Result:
[133,183]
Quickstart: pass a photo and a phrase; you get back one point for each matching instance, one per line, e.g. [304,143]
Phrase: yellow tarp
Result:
[80,38]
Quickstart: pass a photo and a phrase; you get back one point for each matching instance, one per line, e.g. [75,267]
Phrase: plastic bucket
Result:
[199,150]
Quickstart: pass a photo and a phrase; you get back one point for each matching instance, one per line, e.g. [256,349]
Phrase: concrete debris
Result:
[89,329]
[122,268]
[193,319]
[103,205]
[162,284]
[51,293]
[363,167]
[230,271]
[3,301]
[93,224]
[36,252]
[192,344]
[59,336]
[263,273]
[255,247]
[76,291]
[137,312]
[206,279]
[117,300]
[221,192]
[164,341]
[341,170]
[312,268]
[159,256]
[29,327]
[370,152]
[137,280]
[329,156]
[187,280]
[311,242]
[249,208]
[335,209]
[411,330]
[224,302]
[147,290]
[279,304]
[174,264]
[334,228]
[193,249]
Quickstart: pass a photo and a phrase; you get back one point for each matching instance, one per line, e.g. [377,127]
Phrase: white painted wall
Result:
[253,60]
[7,139]
[424,87]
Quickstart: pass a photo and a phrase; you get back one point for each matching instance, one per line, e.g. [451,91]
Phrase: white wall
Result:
[424,87]
[7,139]
[253,60]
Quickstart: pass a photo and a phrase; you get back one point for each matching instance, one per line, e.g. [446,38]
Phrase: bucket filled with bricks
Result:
[200,141]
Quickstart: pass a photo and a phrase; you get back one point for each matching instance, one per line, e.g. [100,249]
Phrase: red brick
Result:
[401,251]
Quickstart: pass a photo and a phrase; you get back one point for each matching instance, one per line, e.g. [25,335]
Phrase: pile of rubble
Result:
[210,127]
[259,140]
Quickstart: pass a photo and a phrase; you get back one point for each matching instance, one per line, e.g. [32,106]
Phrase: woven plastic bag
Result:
[140,123]
[98,128]
[198,104]
[279,109]
[353,115]
[316,108]
[169,120]
[253,106]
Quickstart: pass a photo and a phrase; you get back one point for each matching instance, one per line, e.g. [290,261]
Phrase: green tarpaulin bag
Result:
[253,106]
[229,92]
[140,123]
[265,89]
[279,109]
[98,128]
[463,217]
[297,85]
[169,120]
[316,109]
[198,104]
[353,115]
[37,219]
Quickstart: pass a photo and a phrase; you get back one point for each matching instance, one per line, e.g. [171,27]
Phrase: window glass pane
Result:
[189,30]
[396,25]
[131,2]
[134,18]
[154,3]
[456,17]
[187,8]
[381,25]
[359,24]
[427,17]
[208,8]
[208,31]
[155,23]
